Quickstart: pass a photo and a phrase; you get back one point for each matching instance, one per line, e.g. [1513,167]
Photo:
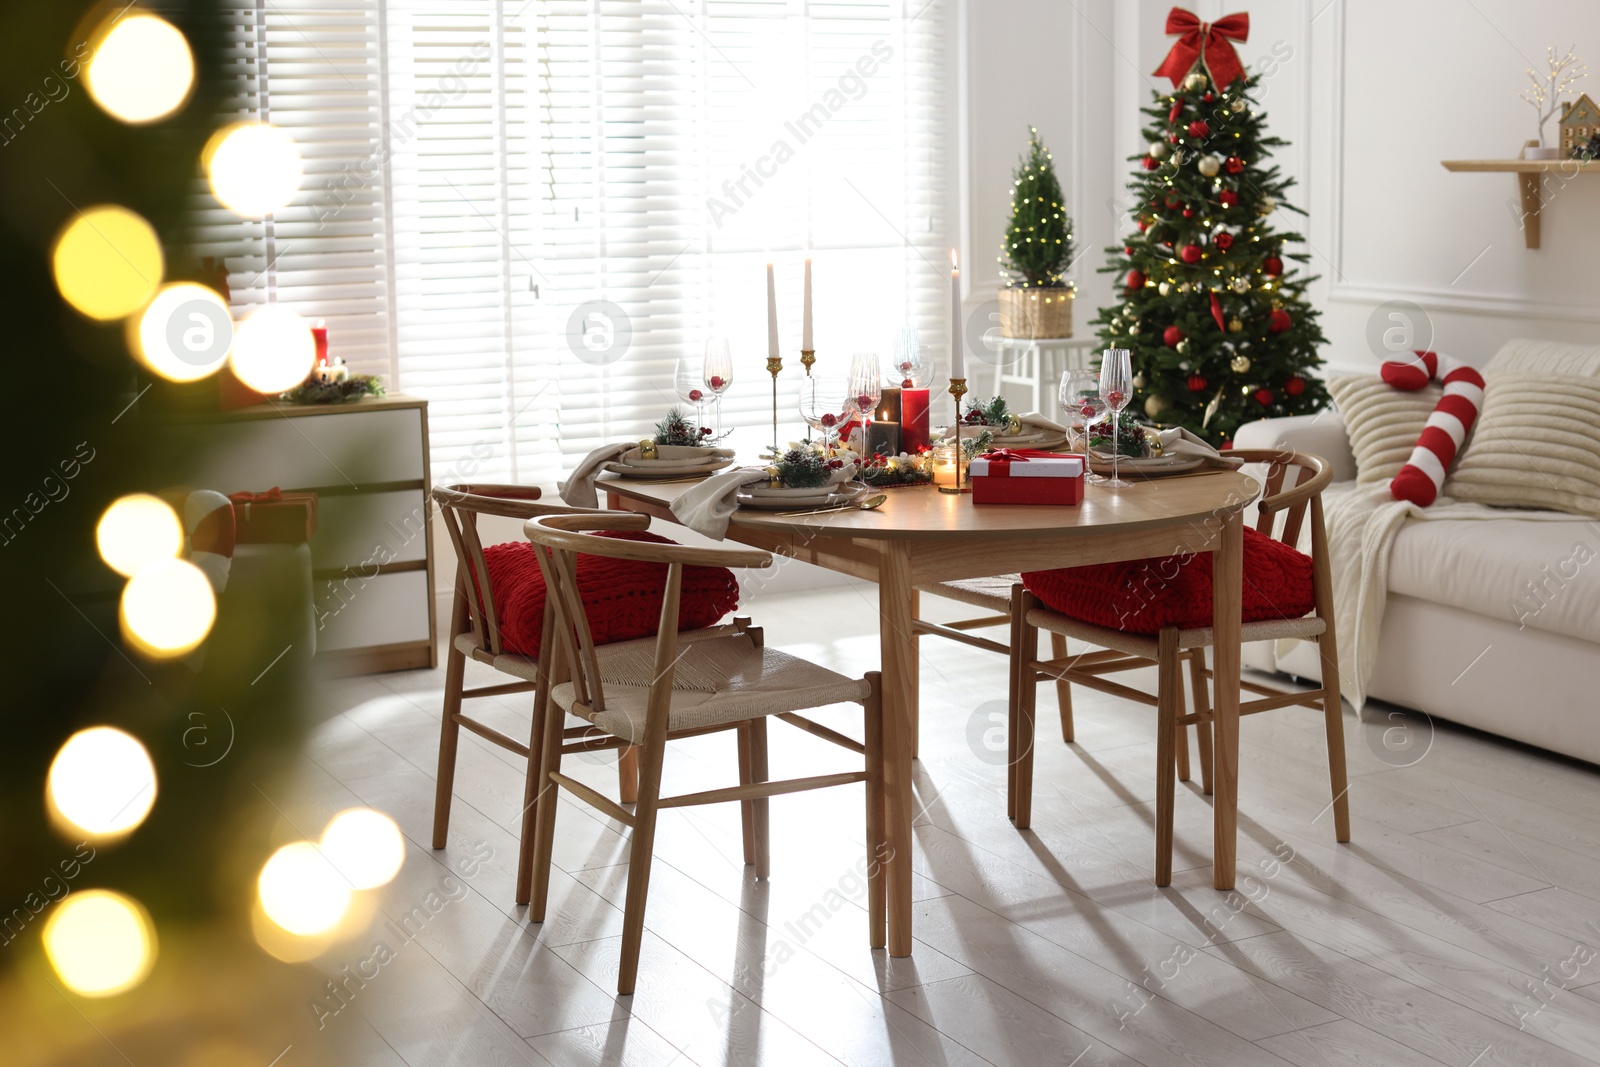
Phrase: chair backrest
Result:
[557,541]
[1294,484]
[460,506]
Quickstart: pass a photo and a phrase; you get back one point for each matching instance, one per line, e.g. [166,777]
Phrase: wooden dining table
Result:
[921,536]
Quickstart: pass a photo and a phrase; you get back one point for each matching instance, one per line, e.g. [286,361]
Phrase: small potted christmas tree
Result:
[1036,301]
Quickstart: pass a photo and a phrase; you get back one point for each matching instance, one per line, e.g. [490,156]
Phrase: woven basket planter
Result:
[1036,312]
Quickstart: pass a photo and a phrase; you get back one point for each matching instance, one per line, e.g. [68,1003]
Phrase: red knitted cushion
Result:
[1143,595]
[622,597]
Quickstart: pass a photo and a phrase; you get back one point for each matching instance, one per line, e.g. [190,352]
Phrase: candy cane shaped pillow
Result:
[1423,475]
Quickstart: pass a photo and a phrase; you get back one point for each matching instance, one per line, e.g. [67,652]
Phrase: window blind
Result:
[543,204]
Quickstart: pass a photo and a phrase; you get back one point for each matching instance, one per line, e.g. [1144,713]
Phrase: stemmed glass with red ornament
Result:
[865,390]
[1116,389]
[717,372]
[688,383]
[910,366]
[825,406]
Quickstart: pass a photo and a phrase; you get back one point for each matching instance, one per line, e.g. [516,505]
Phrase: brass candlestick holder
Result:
[958,389]
[774,365]
[808,356]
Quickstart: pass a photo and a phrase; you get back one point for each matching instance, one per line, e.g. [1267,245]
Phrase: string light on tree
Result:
[137,530]
[101,783]
[142,69]
[254,168]
[107,262]
[100,942]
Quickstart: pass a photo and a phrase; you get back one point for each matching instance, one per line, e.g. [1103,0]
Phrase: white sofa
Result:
[1494,623]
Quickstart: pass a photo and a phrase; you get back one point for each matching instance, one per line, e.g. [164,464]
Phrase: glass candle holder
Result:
[946,470]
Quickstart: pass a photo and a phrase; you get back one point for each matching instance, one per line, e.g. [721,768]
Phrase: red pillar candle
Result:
[319,334]
[913,420]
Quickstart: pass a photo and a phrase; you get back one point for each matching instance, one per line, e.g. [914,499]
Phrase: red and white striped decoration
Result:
[1420,480]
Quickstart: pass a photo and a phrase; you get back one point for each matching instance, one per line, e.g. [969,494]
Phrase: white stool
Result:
[1035,363]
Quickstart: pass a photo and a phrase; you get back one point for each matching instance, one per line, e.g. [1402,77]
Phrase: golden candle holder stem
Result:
[958,389]
[774,365]
[808,356]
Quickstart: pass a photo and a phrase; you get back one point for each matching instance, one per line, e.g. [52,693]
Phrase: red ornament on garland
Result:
[1199,128]
[1197,383]
[1171,336]
[1216,312]
[1190,254]
[1228,198]
[1233,164]
[1135,280]
[1279,321]
[1223,241]
[1295,386]
[1272,266]
[1263,396]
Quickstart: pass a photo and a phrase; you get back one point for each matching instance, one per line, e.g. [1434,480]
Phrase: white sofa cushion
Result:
[1540,575]
[1546,357]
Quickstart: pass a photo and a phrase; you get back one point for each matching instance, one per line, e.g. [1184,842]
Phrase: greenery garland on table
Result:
[351,389]
[882,471]
[676,429]
[1130,437]
[804,468]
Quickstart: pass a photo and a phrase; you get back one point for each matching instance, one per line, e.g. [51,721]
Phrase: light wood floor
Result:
[1454,929]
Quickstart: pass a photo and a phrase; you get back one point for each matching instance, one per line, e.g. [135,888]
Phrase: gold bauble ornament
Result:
[1235,326]
[1155,404]
[1165,288]
[1267,206]
[1236,105]
[1138,381]
[1240,285]
[1158,150]
[1239,364]
[1195,82]
[1209,165]
[1178,157]
[1182,347]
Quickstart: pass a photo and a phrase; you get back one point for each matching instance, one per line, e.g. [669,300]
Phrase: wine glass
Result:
[910,366]
[717,372]
[1079,397]
[687,382]
[824,407]
[865,390]
[1116,389]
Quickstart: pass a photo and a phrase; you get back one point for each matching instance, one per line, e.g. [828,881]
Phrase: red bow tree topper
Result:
[1206,42]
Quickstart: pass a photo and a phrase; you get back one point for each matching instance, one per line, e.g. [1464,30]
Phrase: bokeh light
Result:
[254,168]
[101,782]
[107,262]
[274,350]
[142,69]
[300,890]
[167,608]
[138,530]
[365,846]
[101,943]
[185,334]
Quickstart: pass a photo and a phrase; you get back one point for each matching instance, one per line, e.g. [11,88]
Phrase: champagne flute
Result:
[687,382]
[1116,389]
[1079,397]
[717,372]
[824,407]
[910,367]
[866,389]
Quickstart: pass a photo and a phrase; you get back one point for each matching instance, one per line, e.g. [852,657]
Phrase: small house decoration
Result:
[1579,122]
[1560,75]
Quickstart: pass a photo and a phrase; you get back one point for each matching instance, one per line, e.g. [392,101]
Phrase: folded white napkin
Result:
[1033,418]
[1180,442]
[579,489]
[707,507]
[675,457]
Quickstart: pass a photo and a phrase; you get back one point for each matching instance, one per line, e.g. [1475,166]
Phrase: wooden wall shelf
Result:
[1530,177]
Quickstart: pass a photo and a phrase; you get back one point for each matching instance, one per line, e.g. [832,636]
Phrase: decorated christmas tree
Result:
[1212,310]
[1036,300]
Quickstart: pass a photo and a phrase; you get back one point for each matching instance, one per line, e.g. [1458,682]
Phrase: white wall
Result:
[1371,95]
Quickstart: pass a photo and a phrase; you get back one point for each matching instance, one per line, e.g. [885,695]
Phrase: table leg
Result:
[1227,590]
[899,662]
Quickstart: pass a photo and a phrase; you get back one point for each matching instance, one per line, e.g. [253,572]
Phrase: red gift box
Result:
[274,517]
[1027,476]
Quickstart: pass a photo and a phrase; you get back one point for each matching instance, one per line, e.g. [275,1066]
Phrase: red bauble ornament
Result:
[1127,250]
[1188,212]
[1135,280]
[715,382]
[1216,311]
[1197,383]
[1171,336]
[1177,109]
[1174,200]
[1209,97]
[1150,163]
[1295,386]
[694,396]
[1173,139]
[1190,254]
[1198,128]
[1228,197]
[1143,225]
[1279,321]
[1263,396]
[1233,164]
[1223,241]
[1272,266]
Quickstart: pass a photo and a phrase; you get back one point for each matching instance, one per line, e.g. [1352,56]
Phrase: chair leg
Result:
[877,842]
[532,794]
[1180,738]
[628,774]
[1017,663]
[1022,745]
[1333,718]
[545,822]
[640,854]
[747,811]
[758,773]
[1058,650]
[449,733]
[914,679]
[1202,708]
[1167,699]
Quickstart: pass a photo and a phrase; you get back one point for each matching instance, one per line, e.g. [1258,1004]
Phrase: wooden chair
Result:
[649,693]
[1171,646]
[475,634]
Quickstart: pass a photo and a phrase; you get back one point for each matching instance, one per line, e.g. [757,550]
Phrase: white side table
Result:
[1035,363]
